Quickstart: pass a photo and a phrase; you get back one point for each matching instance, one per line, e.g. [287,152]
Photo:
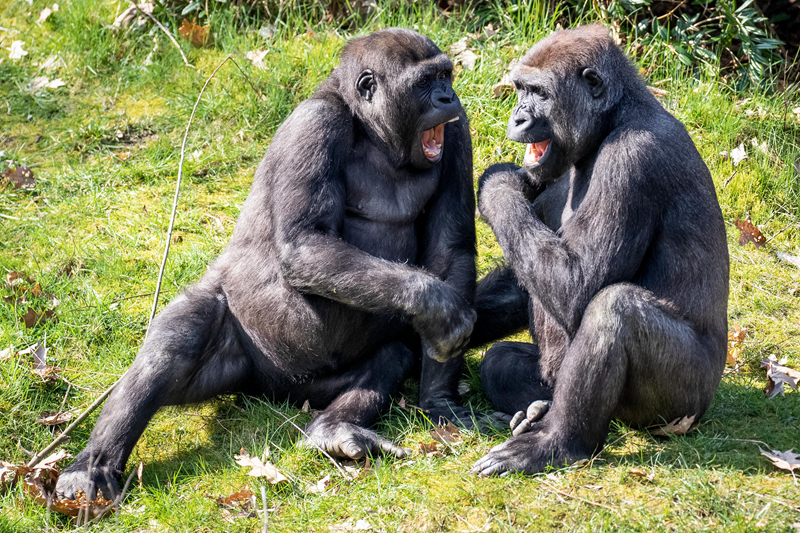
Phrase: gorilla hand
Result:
[444,323]
[348,441]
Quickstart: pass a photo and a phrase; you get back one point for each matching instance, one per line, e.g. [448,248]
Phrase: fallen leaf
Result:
[54,418]
[194,33]
[134,12]
[320,486]
[32,318]
[7,353]
[489,30]
[641,473]
[348,525]
[463,387]
[16,51]
[259,468]
[658,93]
[789,258]
[446,434]
[777,375]
[736,338]
[748,232]
[430,449]
[459,46]
[467,59]
[21,177]
[738,154]
[783,460]
[256,57]
[503,88]
[43,14]
[679,426]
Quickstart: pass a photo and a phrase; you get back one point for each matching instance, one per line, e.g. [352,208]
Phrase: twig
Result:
[727,181]
[109,303]
[266,513]
[568,495]
[326,454]
[773,499]
[171,38]
[177,194]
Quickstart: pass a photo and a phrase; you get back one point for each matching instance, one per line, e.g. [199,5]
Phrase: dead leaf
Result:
[260,468]
[16,51]
[256,57]
[430,449]
[198,35]
[467,59]
[32,317]
[463,387]
[658,93]
[54,418]
[679,426]
[348,525]
[738,154]
[319,487]
[43,14]
[306,407]
[7,353]
[736,338]
[777,375]
[783,460]
[459,46]
[489,30]
[134,12]
[748,232]
[789,258]
[641,473]
[504,88]
[447,434]
[21,177]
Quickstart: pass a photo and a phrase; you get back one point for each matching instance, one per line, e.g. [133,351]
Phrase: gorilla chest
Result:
[382,208]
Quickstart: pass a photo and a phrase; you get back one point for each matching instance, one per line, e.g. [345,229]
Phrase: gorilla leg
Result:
[616,365]
[502,307]
[357,396]
[511,376]
[191,354]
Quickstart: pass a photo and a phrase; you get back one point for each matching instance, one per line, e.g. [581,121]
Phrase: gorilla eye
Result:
[537,90]
[423,82]
[442,75]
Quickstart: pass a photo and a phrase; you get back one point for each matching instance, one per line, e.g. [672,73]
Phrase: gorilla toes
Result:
[348,441]
[528,453]
[522,422]
[74,479]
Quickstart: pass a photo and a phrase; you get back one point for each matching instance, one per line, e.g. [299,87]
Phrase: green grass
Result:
[105,151]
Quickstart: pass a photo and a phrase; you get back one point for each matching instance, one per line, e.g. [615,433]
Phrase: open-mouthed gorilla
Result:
[617,254]
[353,255]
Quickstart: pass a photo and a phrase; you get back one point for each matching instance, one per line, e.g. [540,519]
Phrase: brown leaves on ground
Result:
[319,486]
[448,434]
[748,232]
[679,426]
[240,504]
[40,482]
[736,338]
[777,375]
[55,418]
[198,35]
[38,352]
[20,176]
[260,468]
[25,291]
[783,460]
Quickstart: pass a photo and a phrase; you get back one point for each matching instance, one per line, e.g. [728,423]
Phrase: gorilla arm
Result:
[604,242]
[315,260]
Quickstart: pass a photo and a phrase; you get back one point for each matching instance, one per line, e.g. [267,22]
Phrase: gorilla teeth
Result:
[452,119]
[535,151]
[432,141]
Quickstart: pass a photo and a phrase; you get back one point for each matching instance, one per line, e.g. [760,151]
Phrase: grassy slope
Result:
[105,150]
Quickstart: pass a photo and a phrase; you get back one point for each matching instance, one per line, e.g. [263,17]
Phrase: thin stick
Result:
[111,302]
[264,503]
[177,194]
[326,454]
[58,440]
[171,38]
[568,495]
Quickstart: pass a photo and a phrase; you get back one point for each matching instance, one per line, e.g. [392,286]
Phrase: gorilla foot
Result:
[349,441]
[522,422]
[528,453]
[443,412]
[77,478]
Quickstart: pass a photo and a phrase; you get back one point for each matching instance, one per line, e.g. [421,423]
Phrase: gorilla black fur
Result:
[617,254]
[353,254]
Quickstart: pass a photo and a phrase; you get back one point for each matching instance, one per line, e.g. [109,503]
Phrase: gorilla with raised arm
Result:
[616,254]
[353,256]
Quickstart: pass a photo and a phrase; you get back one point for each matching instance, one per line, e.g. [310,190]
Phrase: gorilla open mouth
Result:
[432,141]
[536,151]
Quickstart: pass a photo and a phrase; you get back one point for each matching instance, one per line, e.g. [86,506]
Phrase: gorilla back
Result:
[353,254]
[617,251]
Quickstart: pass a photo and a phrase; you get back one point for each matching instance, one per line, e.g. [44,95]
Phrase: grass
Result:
[105,151]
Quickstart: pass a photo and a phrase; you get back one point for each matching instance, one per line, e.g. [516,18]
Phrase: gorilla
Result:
[616,260]
[353,256]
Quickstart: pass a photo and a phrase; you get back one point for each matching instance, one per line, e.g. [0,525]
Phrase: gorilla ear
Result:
[366,85]
[594,82]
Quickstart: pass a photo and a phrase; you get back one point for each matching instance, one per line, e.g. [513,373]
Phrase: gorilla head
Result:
[564,100]
[399,84]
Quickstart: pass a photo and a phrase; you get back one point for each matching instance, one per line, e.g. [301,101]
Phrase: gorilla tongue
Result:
[432,141]
[535,151]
